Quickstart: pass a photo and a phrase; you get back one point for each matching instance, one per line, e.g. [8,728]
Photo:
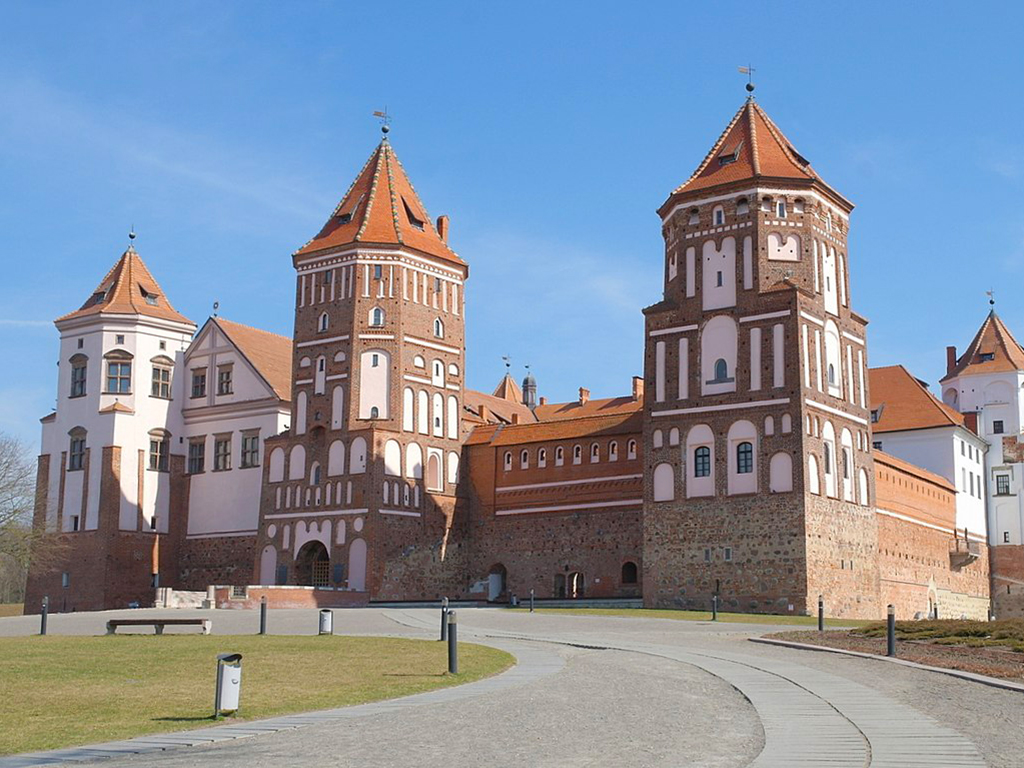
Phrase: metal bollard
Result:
[453,648]
[444,619]
[714,608]
[263,615]
[890,635]
[531,601]
[821,613]
[42,616]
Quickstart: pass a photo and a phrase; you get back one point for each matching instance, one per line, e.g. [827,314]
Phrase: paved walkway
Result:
[588,691]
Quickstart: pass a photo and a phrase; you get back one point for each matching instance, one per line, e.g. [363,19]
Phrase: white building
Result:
[909,422]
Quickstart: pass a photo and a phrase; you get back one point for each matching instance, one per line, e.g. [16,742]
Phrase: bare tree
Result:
[19,542]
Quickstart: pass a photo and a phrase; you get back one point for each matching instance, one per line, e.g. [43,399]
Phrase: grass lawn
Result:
[973,634]
[738,618]
[64,691]
[10,609]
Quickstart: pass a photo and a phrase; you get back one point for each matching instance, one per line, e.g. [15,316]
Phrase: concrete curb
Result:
[532,662]
[993,682]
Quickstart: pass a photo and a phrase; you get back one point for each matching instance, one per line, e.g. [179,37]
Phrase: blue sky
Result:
[550,133]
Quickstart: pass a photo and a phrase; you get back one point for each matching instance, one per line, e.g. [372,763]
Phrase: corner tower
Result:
[365,477]
[758,472]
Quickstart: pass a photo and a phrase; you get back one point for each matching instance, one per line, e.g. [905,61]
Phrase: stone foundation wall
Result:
[1008,581]
[289,597]
[221,560]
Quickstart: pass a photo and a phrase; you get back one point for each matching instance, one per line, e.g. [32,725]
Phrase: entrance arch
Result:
[313,565]
[496,581]
[574,585]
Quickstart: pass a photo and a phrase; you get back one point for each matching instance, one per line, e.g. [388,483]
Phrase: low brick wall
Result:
[290,597]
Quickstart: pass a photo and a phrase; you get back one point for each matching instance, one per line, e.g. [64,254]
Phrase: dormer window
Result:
[344,218]
[413,219]
[98,297]
[986,357]
[730,154]
[151,298]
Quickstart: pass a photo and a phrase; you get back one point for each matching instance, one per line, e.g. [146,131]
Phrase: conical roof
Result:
[751,147]
[128,289]
[993,350]
[507,389]
[382,207]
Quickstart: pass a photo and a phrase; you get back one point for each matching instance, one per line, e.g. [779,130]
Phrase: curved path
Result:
[587,691]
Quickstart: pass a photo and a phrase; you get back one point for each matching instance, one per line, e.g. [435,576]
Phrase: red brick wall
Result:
[1008,581]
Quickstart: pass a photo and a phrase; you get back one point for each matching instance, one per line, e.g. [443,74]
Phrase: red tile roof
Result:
[381,207]
[507,389]
[904,402]
[750,147]
[269,353]
[563,429]
[128,289]
[501,410]
[601,407]
[995,339]
[881,457]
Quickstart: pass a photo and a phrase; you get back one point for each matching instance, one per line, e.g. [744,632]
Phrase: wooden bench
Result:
[158,624]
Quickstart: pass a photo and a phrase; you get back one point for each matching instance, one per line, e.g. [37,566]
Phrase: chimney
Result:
[638,388]
[515,418]
[950,359]
[584,395]
[485,415]
[442,228]
[543,401]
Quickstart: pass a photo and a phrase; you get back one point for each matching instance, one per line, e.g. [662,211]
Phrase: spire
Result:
[128,289]
[382,207]
[751,147]
[529,389]
[507,389]
[993,350]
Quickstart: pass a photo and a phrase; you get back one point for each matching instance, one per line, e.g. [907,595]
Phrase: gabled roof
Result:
[381,207]
[269,353]
[750,147]
[903,402]
[601,407]
[128,289]
[995,339]
[507,389]
[501,410]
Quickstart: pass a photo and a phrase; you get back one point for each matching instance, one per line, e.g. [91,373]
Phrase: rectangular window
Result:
[702,462]
[707,555]
[76,456]
[1006,537]
[74,523]
[971,482]
[781,209]
[199,383]
[997,426]
[119,338]
[78,373]
[65,579]
[728,554]
[963,448]
[250,450]
[877,445]
[1002,485]
[161,382]
[119,378]
[437,285]
[158,454]
[378,271]
[224,380]
[222,454]
[196,456]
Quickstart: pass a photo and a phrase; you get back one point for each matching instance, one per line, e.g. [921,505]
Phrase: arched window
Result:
[323,322]
[613,451]
[437,374]
[742,207]
[702,462]
[314,473]
[453,369]
[357,456]
[744,458]
[276,465]
[374,412]
[813,481]
[631,450]
[577,454]
[831,375]
[508,461]
[377,317]
[438,328]
[595,453]
[559,456]
[657,439]
[336,459]
[413,461]
[780,473]
[721,370]
[542,457]
[392,458]
[419,362]
[524,459]
[673,436]
[630,573]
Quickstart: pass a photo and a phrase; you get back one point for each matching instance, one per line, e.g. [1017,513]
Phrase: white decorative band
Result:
[281,515]
[506,488]
[322,341]
[570,507]
[677,329]
[726,407]
[836,412]
[400,513]
[812,318]
[432,345]
[765,316]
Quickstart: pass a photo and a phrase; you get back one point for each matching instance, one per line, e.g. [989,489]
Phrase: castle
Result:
[351,463]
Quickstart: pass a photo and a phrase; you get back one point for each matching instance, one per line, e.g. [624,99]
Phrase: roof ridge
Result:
[372,197]
[785,143]
[426,213]
[714,149]
[752,126]
[219,319]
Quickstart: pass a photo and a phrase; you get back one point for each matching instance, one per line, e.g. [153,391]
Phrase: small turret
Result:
[529,390]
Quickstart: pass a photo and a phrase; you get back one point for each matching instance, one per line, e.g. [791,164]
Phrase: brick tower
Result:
[759,480]
[359,494]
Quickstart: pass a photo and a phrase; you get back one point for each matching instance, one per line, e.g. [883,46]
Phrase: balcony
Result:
[963,552]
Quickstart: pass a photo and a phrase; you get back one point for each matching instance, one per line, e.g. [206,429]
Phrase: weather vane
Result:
[131,237]
[385,120]
[216,306]
[508,362]
[749,72]
[991,297]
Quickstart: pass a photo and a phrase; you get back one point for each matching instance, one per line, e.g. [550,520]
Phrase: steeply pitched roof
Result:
[903,402]
[382,207]
[501,410]
[128,289]
[750,147]
[601,407]
[992,339]
[507,389]
[269,353]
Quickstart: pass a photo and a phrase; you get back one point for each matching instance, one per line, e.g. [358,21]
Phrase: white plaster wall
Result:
[718,340]
[374,382]
[719,262]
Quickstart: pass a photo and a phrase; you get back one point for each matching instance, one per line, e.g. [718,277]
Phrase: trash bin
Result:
[514,600]
[229,683]
[326,622]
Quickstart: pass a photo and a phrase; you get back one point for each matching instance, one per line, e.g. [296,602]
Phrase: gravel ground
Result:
[606,708]
[995,662]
